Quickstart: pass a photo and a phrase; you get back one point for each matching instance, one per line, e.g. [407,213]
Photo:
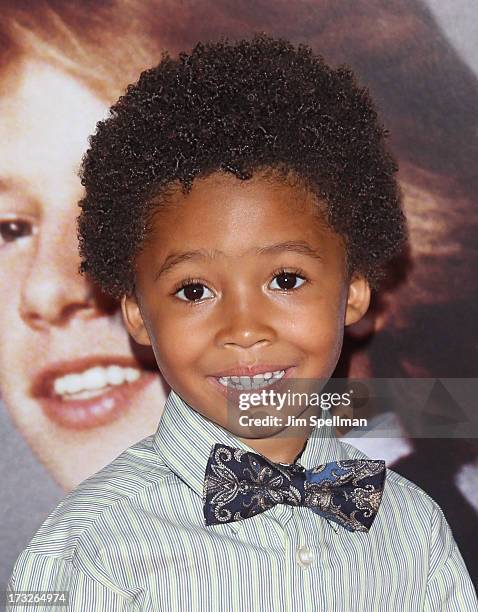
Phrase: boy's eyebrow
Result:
[293,246]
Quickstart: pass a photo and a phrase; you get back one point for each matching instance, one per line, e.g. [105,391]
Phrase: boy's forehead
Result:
[223,190]
[225,216]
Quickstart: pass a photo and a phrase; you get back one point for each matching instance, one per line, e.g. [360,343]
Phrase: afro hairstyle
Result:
[240,107]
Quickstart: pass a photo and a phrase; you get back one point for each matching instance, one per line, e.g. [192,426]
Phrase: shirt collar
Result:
[185,438]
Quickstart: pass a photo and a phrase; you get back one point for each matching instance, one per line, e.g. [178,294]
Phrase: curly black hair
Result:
[240,107]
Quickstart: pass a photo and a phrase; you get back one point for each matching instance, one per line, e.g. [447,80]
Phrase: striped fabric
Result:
[132,537]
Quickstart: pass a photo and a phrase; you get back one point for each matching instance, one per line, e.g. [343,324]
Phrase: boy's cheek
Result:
[319,324]
[320,340]
[176,349]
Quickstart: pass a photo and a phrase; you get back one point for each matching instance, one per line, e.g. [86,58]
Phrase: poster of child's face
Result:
[75,385]
[68,374]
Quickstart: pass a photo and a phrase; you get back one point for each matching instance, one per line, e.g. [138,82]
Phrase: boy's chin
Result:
[262,423]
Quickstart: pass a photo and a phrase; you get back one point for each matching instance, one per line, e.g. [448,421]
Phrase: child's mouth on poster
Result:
[91,391]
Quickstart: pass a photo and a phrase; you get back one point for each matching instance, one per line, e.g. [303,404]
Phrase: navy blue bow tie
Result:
[239,484]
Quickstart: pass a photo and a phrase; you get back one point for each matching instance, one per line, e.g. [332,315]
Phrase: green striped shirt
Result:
[133,537]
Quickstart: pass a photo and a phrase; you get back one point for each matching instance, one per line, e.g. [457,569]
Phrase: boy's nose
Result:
[52,289]
[245,325]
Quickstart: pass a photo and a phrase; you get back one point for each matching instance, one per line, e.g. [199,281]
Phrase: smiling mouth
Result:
[246,383]
[93,382]
[232,386]
[88,393]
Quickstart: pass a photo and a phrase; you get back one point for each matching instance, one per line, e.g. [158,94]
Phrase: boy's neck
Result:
[283,447]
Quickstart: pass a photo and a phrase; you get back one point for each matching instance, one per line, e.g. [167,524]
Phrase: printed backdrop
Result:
[62,63]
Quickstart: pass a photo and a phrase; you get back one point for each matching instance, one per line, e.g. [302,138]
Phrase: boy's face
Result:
[55,327]
[239,308]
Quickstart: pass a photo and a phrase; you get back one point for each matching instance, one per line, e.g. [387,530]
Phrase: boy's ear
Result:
[373,321]
[133,319]
[358,299]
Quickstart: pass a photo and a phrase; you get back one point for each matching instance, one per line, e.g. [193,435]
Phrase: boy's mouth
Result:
[89,392]
[244,383]
[261,377]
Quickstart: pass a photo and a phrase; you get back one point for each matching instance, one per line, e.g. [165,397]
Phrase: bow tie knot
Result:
[239,484]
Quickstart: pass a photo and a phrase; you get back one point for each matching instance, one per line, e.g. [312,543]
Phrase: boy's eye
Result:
[192,292]
[287,280]
[13,229]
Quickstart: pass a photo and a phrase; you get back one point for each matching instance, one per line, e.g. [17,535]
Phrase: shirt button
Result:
[304,556]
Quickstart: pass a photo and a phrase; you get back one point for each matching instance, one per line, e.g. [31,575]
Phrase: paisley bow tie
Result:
[239,484]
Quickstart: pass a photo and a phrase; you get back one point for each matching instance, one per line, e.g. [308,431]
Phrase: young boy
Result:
[219,179]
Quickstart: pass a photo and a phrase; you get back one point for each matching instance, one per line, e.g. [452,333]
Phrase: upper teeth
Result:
[94,379]
[251,382]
